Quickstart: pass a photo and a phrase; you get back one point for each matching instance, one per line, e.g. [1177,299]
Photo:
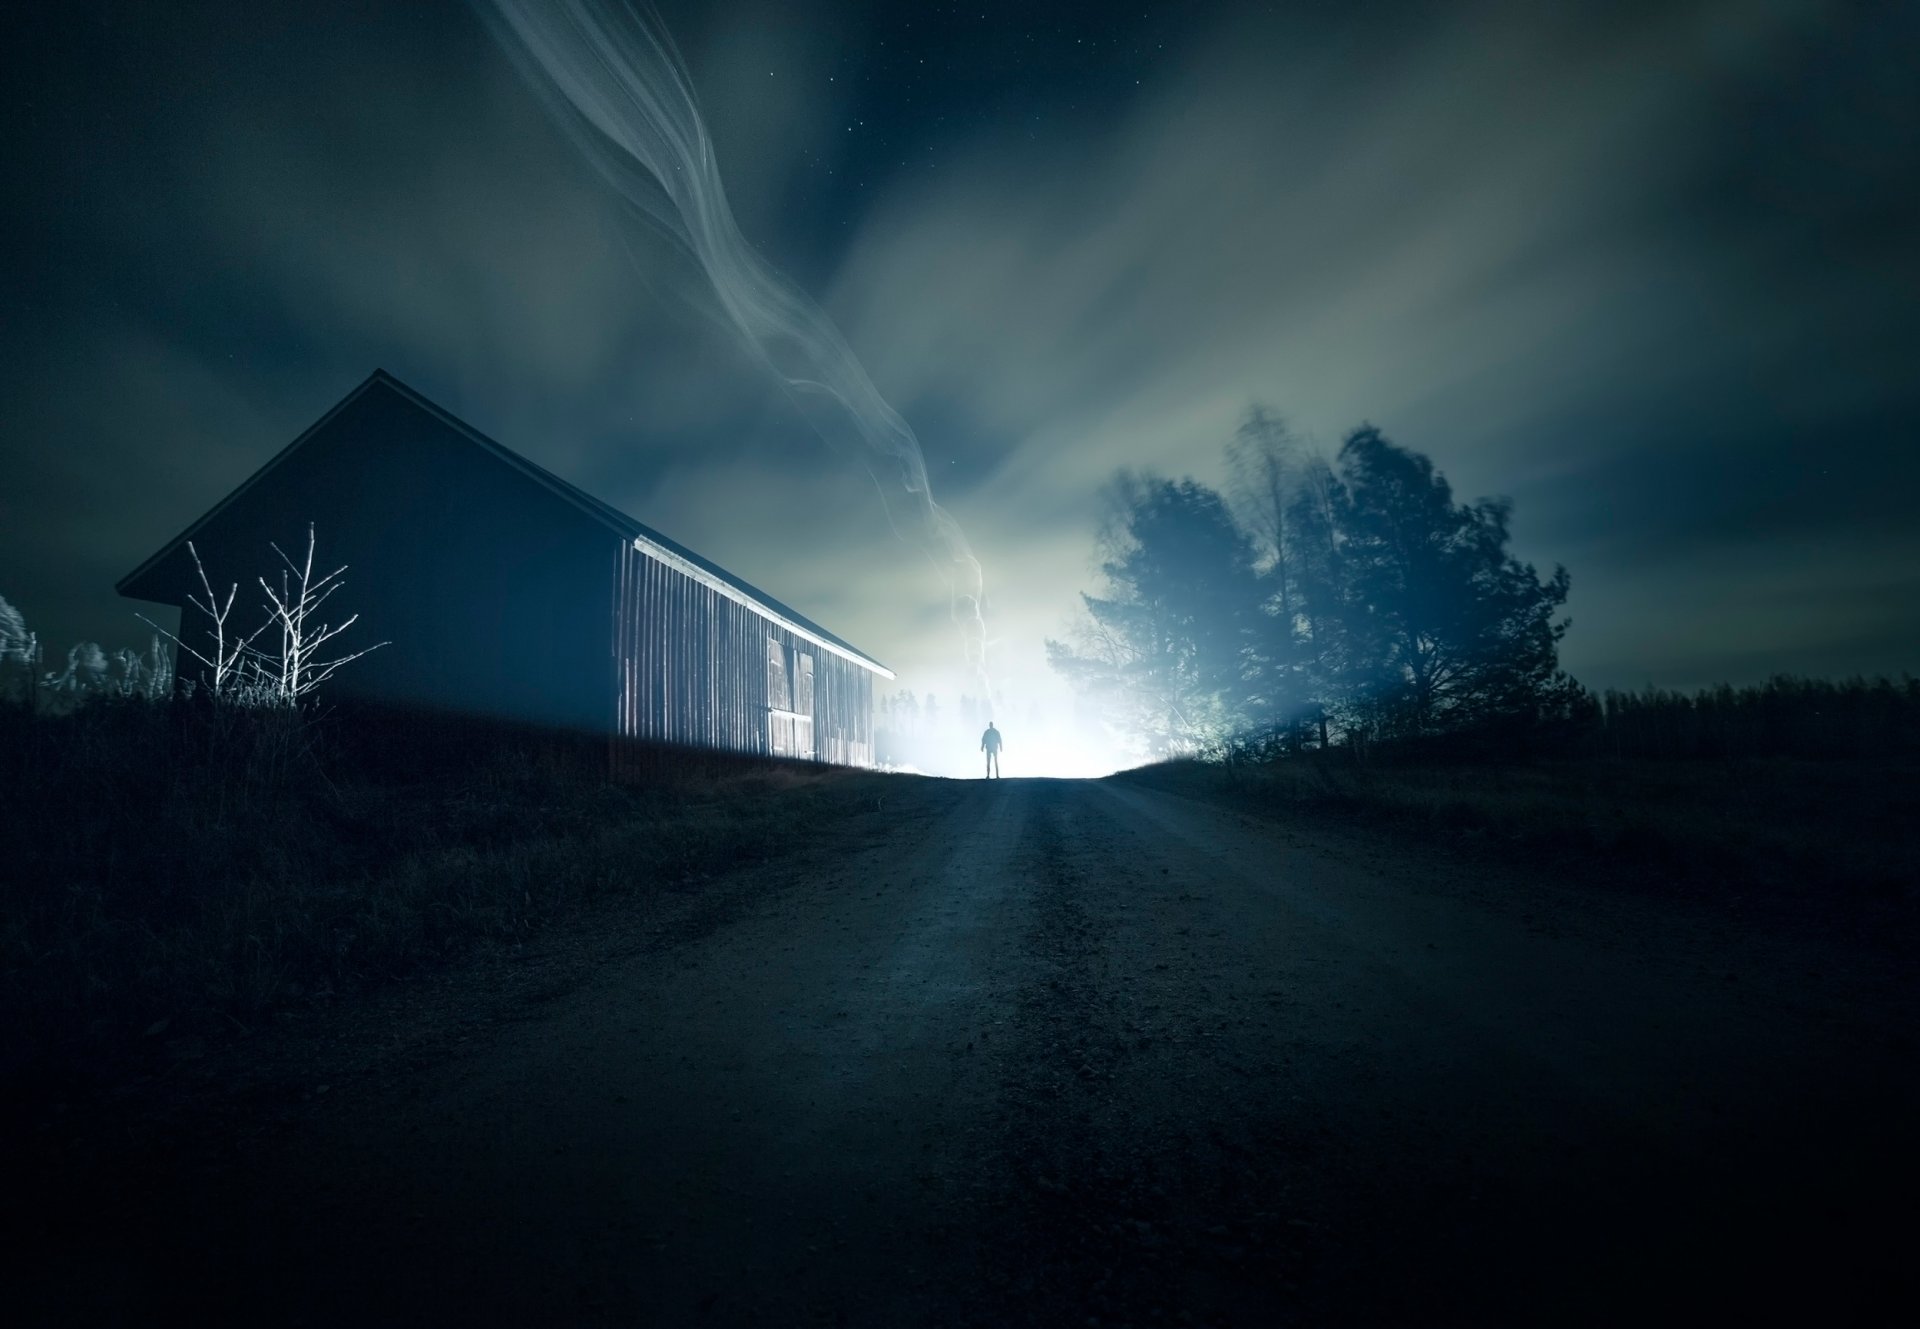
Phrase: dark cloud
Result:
[1650,269]
[1509,243]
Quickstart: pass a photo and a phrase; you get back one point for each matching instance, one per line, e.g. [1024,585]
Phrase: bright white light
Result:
[1064,761]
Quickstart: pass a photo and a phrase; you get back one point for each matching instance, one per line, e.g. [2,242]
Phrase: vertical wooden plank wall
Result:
[690,668]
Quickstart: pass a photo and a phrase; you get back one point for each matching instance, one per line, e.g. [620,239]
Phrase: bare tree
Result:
[1264,464]
[294,609]
[1269,468]
[229,651]
[243,671]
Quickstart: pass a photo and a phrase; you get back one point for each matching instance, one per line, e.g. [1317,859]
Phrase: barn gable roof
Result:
[643,537]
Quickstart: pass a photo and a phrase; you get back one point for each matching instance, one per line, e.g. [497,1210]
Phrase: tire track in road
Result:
[1130,1189]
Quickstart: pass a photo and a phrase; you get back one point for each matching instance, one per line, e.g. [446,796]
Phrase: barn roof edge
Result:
[628,528]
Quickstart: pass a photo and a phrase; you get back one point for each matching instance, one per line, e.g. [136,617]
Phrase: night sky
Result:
[1652,270]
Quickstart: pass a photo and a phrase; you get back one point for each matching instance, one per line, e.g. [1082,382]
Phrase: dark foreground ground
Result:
[1031,1053]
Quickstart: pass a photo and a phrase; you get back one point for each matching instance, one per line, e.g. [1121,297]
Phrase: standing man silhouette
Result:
[990,744]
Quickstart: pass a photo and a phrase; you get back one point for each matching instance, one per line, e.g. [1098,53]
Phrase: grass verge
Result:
[1838,836]
[167,869]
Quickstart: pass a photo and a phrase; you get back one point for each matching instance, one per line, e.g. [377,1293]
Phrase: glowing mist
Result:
[612,76]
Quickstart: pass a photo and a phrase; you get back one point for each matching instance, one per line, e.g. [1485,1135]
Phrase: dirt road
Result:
[1079,1053]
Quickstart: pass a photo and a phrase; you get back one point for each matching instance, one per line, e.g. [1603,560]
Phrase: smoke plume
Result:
[610,74]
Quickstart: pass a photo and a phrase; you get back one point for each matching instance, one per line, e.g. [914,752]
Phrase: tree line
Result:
[1314,603]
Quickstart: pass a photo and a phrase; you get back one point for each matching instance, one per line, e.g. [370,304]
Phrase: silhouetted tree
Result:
[1356,601]
[1441,627]
[1166,649]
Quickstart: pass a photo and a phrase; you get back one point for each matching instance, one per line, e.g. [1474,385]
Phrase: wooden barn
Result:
[507,592]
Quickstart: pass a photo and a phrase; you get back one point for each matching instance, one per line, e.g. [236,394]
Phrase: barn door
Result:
[779,701]
[789,701]
[803,704]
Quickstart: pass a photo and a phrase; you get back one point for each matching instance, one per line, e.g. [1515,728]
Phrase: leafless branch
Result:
[227,656]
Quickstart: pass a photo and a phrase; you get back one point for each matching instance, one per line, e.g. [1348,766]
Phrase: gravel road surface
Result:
[1087,1053]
